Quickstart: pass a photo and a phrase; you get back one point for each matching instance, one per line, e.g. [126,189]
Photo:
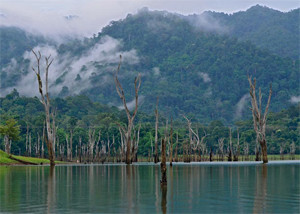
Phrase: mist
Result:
[74,72]
[295,99]
[60,19]
[240,106]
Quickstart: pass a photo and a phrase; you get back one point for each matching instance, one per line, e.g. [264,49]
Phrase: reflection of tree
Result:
[51,190]
[156,189]
[129,187]
[10,190]
[163,198]
[261,191]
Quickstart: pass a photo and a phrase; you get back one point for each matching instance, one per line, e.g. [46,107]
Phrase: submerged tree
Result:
[10,131]
[259,118]
[45,99]
[130,117]
[163,166]
[156,159]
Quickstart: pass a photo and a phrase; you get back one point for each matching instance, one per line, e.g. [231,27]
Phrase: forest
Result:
[198,71]
[77,117]
[194,70]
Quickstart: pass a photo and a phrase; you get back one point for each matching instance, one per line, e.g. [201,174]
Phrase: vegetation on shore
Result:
[6,159]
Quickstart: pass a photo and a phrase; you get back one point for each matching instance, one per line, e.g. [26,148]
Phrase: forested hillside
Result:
[198,70]
[267,28]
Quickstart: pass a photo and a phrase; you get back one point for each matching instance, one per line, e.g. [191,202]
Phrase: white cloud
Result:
[241,105]
[131,104]
[156,71]
[205,77]
[48,17]
[66,68]
[295,99]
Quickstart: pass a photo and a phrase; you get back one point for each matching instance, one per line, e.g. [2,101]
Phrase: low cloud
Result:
[241,105]
[295,99]
[205,77]
[131,104]
[206,22]
[156,71]
[74,72]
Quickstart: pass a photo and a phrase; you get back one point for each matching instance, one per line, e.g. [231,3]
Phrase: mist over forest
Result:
[196,64]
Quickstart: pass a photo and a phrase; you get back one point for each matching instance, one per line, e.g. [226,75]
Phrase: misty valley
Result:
[158,112]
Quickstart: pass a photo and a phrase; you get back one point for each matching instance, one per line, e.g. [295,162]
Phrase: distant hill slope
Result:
[267,28]
[194,70]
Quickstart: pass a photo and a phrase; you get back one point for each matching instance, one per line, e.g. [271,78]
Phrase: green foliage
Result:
[80,114]
[267,28]
[10,129]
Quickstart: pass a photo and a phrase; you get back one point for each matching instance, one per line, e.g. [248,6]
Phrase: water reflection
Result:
[136,189]
[261,190]
[164,199]
[51,190]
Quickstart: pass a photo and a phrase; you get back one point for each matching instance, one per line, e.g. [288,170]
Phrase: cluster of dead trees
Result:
[96,150]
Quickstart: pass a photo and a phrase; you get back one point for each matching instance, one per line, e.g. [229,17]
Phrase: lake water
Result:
[191,188]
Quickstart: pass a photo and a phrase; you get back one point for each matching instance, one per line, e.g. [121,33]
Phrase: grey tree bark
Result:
[259,118]
[45,99]
[130,117]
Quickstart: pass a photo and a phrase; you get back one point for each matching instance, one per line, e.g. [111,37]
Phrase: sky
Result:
[47,16]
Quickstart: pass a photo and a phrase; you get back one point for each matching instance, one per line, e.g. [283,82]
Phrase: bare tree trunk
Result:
[176,148]
[27,138]
[71,144]
[29,145]
[43,141]
[230,146]
[259,119]
[211,155]
[6,141]
[263,145]
[163,166]
[46,102]
[221,147]
[130,117]
[171,143]
[156,159]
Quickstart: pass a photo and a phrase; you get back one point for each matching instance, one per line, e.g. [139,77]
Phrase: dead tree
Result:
[163,166]
[37,146]
[122,145]
[45,99]
[171,144]
[237,152]
[136,145]
[68,148]
[259,119]
[230,146]
[187,159]
[29,145]
[43,140]
[292,150]
[221,148]
[79,150]
[71,145]
[27,139]
[176,148]
[92,141]
[130,117]
[246,151]
[156,159]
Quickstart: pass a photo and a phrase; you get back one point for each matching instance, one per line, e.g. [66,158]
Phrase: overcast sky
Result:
[46,16]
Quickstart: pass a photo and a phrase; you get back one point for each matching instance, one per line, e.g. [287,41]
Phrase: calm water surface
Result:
[191,188]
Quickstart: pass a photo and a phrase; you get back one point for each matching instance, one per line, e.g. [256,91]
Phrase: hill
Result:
[265,27]
[199,71]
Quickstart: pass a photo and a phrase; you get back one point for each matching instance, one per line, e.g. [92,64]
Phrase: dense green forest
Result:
[79,114]
[194,70]
[267,28]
